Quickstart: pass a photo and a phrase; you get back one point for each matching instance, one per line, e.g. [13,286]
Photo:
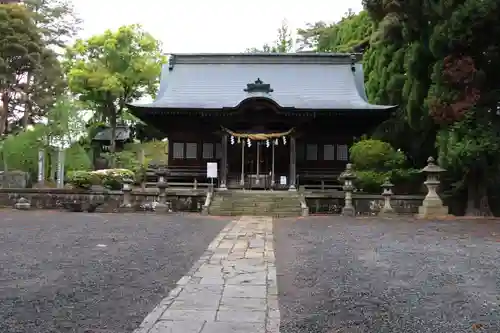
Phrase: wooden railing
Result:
[322,179]
[192,177]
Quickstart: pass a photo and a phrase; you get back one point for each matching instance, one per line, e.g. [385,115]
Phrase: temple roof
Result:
[310,81]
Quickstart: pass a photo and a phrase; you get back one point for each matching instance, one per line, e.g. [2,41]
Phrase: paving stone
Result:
[256,291]
[201,288]
[248,304]
[257,278]
[177,326]
[228,285]
[226,327]
[172,314]
[196,302]
[240,316]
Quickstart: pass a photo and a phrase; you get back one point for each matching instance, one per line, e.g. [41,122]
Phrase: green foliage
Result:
[82,179]
[375,161]
[21,52]
[20,152]
[376,154]
[77,158]
[108,71]
[109,178]
[351,32]
[113,178]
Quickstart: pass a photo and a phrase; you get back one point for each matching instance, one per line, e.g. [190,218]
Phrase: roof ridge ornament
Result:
[258,86]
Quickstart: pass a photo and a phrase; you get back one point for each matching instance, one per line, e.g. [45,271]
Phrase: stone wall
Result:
[365,204]
[103,201]
[13,179]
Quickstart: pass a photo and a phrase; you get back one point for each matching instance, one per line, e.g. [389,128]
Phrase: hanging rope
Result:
[258,136]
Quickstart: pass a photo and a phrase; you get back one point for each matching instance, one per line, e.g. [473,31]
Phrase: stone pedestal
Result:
[161,206]
[126,205]
[387,210]
[23,204]
[347,177]
[432,206]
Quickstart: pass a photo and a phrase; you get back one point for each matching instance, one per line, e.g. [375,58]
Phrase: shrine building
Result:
[270,121]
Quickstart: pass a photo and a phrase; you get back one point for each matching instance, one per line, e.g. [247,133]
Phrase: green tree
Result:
[21,51]
[57,23]
[114,68]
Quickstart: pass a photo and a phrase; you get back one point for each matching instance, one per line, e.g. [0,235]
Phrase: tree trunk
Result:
[482,194]
[471,183]
[112,148]
[27,103]
[4,112]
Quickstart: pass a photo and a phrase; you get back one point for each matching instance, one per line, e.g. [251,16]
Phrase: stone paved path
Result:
[232,288]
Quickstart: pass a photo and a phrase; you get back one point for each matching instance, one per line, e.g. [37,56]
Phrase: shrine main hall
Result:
[269,121]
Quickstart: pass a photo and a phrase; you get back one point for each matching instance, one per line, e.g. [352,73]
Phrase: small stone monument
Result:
[127,195]
[432,206]
[347,177]
[162,185]
[22,204]
[387,193]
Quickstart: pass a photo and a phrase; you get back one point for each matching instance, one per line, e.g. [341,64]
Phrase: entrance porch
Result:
[267,163]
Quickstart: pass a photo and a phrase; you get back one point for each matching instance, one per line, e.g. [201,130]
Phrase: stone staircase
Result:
[255,203]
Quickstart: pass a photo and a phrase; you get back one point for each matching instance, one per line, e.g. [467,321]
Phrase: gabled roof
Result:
[312,81]
[122,134]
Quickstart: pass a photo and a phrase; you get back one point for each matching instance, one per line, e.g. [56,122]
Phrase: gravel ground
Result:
[56,275]
[378,276]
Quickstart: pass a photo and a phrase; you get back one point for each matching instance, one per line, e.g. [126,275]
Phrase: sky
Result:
[195,26]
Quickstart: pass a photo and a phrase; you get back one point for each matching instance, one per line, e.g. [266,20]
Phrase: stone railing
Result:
[364,204]
[101,200]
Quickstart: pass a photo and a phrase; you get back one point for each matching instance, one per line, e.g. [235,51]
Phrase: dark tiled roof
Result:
[299,80]
[122,134]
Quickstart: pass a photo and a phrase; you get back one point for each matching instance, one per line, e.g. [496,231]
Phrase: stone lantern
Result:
[347,177]
[162,185]
[127,194]
[387,194]
[432,206]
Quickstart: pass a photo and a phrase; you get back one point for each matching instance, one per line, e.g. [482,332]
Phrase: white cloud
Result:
[208,26]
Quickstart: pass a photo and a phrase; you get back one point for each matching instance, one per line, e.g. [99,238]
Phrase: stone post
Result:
[347,177]
[162,185]
[432,206]
[127,195]
[41,167]
[60,168]
[387,193]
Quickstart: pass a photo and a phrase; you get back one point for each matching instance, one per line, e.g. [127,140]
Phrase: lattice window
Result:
[342,153]
[178,150]
[191,150]
[208,151]
[218,151]
[329,152]
[312,152]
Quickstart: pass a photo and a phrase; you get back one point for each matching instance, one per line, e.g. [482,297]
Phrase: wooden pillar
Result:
[223,163]
[242,177]
[272,164]
[293,166]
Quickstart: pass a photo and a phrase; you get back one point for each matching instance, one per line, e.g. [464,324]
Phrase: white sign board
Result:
[283,180]
[212,170]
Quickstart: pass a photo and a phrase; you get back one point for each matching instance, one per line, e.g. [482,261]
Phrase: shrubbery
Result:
[375,161]
[109,178]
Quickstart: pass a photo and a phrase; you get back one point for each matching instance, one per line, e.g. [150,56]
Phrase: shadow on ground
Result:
[378,276]
[78,272]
